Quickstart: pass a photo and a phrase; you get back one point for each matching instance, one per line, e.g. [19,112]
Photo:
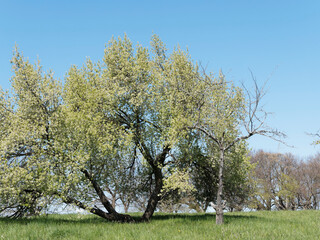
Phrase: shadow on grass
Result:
[203,217]
[91,219]
[56,219]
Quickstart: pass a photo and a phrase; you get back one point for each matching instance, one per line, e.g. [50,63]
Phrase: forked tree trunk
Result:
[126,205]
[111,213]
[155,196]
[156,165]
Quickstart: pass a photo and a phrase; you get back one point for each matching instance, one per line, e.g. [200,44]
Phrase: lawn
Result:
[240,225]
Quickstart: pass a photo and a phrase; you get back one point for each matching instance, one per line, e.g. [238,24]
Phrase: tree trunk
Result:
[157,165]
[126,207]
[155,196]
[220,204]
[287,203]
[113,203]
[315,203]
[269,204]
[112,213]
[116,217]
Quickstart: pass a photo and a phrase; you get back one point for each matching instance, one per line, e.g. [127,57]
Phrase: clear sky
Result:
[278,41]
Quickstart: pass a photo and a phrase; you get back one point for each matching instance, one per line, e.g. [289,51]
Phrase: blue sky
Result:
[278,41]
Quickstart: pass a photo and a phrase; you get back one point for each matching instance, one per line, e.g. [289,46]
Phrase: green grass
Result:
[252,225]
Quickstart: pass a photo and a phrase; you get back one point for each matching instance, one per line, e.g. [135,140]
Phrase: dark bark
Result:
[104,200]
[315,202]
[157,166]
[155,197]
[97,211]
[112,214]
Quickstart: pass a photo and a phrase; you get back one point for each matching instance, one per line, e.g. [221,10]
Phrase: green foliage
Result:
[114,126]
[281,182]
[288,187]
[29,128]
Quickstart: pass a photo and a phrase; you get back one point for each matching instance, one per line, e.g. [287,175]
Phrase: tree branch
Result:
[104,200]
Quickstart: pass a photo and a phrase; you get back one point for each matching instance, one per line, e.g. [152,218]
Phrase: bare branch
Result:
[206,132]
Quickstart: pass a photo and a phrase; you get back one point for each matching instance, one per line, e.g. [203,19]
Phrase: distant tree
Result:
[288,184]
[277,183]
[265,178]
[308,177]
[202,162]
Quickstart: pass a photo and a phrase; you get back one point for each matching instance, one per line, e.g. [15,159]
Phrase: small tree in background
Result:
[226,116]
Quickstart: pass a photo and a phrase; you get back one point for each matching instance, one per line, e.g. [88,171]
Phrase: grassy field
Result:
[251,225]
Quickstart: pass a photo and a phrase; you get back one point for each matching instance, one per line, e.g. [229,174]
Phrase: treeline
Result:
[272,181]
[283,182]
